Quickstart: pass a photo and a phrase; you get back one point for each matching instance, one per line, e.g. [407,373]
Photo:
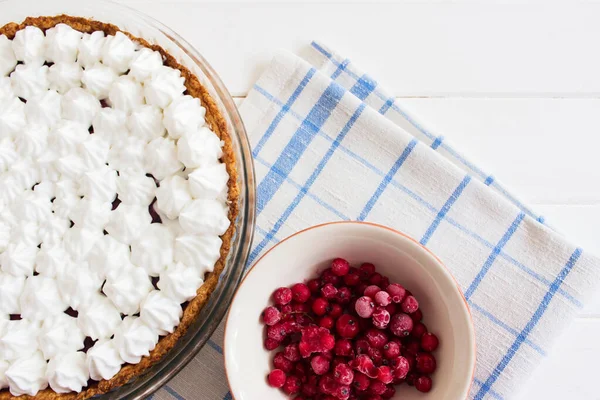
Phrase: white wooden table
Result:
[515,86]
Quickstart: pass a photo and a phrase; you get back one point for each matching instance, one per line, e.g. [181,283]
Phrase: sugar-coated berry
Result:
[429,342]
[396,291]
[271,344]
[319,364]
[423,384]
[372,290]
[282,296]
[366,270]
[410,304]
[401,324]
[329,291]
[419,329]
[380,318]
[292,385]
[319,306]
[361,381]
[343,347]
[300,292]
[391,350]
[382,298]
[277,378]
[343,374]
[364,307]
[277,332]
[376,338]
[326,322]
[271,316]
[385,374]
[340,267]
[347,326]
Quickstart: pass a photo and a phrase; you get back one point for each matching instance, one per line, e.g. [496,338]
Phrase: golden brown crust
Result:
[218,124]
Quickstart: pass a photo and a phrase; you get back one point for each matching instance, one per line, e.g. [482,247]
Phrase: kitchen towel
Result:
[329,143]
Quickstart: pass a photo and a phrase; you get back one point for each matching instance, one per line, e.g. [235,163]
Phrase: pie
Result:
[117,202]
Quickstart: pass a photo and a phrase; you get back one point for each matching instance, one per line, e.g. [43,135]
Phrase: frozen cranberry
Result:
[365,324]
[328,342]
[277,378]
[361,381]
[425,363]
[300,307]
[381,318]
[397,292]
[382,298]
[366,270]
[352,279]
[347,326]
[343,347]
[271,316]
[343,374]
[377,387]
[277,332]
[342,392]
[326,322]
[412,347]
[419,329]
[271,344]
[376,279]
[319,364]
[300,371]
[417,316]
[329,291]
[385,282]
[282,363]
[319,306]
[310,389]
[376,338]
[327,384]
[385,374]
[360,289]
[375,355]
[391,350]
[303,319]
[364,307]
[292,353]
[411,377]
[390,391]
[401,324]
[299,398]
[300,292]
[292,385]
[363,363]
[343,295]
[285,309]
[340,267]
[315,340]
[402,366]
[391,308]
[362,346]
[314,285]
[372,290]
[423,384]
[282,296]
[329,277]
[335,310]
[429,342]
[410,304]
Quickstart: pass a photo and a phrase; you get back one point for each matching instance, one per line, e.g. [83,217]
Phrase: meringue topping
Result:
[180,282]
[153,250]
[60,334]
[134,339]
[127,287]
[27,375]
[103,360]
[41,298]
[67,372]
[172,195]
[161,313]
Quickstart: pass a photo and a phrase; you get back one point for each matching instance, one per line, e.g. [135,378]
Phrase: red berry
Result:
[376,279]
[362,346]
[417,316]
[271,316]
[327,384]
[401,325]
[300,371]
[310,389]
[342,392]
[300,292]
[425,363]
[390,391]
[364,307]
[376,338]
[328,342]
[343,374]
[314,285]
[397,292]
[377,387]
[361,381]
[282,296]
[411,377]
[326,322]
[391,308]
[372,290]
[347,326]
[363,363]
[282,363]
[391,350]
[340,267]
[410,304]
[271,344]
[343,295]
[385,282]
[329,291]
[315,340]
[429,342]
[401,368]
[276,378]
[277,332]
[419,329]
[292,385]
[319,364]
[385,374]
[319,306]
[381,318]
[382,298]
[329,277]
[423,384]
[366,270]
[292,353]
[352,279]
[375,355]
[343,347]
[303,319]
[359,289]
[412,347]
[335,310]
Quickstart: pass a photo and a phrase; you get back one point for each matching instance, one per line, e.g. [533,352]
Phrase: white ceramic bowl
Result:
[402,259]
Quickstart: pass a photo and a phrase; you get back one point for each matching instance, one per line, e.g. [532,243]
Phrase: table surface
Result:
[514,85]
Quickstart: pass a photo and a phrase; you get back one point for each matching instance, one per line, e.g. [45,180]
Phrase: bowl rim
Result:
[374,225]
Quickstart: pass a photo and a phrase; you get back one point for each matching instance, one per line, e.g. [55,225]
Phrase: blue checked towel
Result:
[330,144]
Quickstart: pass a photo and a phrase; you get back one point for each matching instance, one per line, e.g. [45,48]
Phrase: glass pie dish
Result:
[215,308]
